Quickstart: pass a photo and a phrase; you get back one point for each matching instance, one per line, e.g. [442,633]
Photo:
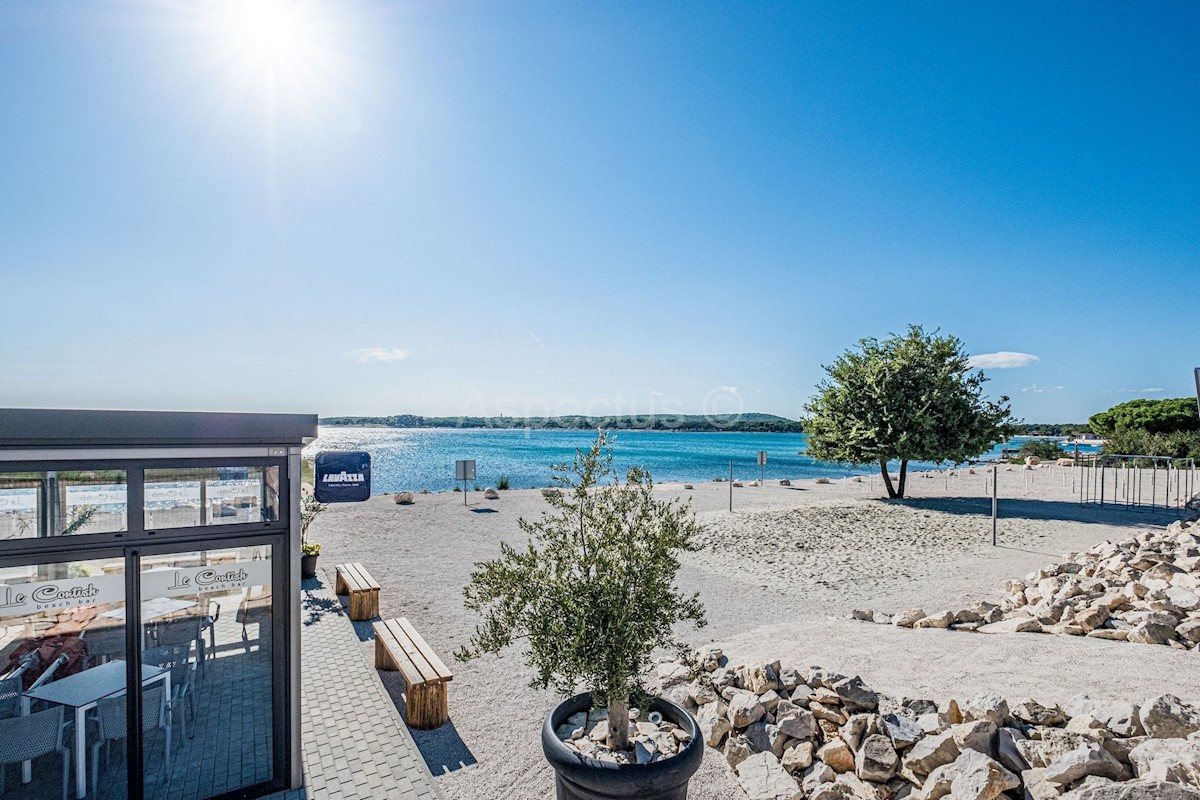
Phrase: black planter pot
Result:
[578,777]
[308,566]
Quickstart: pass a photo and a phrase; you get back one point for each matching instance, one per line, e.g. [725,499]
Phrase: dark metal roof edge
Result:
[43,427]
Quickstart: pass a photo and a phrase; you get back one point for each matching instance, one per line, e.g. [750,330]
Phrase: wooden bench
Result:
[354,580]
[398,646]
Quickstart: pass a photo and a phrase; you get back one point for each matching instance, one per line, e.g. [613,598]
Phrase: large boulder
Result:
[876,759]
[1168,717]
[1134,790]
[795,721]
[714,727]
[1081,763]
[745,709]
[980,778]
[1173,760]
[931,752]
[763,778]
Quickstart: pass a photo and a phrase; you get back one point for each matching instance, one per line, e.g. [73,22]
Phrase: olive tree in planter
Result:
[309,509]
[593,595]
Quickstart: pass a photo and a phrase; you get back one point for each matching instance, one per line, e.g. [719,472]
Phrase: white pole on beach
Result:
[995,493]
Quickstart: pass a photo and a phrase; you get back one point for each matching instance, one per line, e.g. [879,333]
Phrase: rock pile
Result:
[816,734]
[1145,589]
[652,739]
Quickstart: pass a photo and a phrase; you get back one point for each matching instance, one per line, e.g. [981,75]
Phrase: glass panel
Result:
[206,621]
[194,496]
[61,503]
[62,677]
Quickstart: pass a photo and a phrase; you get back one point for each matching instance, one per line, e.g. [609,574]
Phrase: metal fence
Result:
[1140,482]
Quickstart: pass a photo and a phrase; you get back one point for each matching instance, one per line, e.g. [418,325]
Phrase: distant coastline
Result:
[725,423]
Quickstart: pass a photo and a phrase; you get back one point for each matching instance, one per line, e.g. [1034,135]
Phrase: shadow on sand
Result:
[442,748]
[1048,510]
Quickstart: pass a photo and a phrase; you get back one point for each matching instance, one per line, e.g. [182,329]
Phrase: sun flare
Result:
[271,33]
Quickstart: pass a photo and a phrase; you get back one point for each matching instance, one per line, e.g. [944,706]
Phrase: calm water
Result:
[413,459]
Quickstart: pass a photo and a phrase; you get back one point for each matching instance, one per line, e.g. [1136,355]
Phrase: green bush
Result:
[502,482]
[1045,449]
[1180,444]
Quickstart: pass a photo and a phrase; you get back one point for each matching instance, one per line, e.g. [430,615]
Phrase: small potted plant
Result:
[593,595]
[309,509]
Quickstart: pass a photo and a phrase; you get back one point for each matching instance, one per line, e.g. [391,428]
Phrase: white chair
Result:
[25,738]
[111,724]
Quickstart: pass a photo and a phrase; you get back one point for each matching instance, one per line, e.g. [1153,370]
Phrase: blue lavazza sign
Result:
[343,476]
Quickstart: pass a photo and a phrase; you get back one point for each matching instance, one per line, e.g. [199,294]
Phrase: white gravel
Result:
[778,577]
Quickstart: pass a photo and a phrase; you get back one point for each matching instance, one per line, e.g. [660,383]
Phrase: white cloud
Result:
[1035,389]
[730,389]
[1002,360]
[656,394]
[384,354]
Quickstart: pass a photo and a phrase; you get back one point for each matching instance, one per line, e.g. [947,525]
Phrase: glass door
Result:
[62,672]
[208,670]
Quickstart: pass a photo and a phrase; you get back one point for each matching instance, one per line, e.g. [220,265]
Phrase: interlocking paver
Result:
[355,744]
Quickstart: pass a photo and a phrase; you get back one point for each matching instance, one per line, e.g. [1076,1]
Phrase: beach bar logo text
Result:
[343,476]
[28,598]
[187,581]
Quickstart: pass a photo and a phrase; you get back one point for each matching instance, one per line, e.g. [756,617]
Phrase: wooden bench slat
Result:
[398,657]
[353,579]
[427,670]
[438,666]
[398,645]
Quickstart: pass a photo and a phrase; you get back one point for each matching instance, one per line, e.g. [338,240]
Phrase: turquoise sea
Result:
[423,458]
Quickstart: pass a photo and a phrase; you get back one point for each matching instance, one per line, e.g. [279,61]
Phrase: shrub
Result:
[592,591]
[502,482]
[1045,449]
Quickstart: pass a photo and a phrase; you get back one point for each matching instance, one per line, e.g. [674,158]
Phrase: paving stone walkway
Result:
[356,746]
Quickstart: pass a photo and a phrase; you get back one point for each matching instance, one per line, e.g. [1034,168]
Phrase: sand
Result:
[779,576]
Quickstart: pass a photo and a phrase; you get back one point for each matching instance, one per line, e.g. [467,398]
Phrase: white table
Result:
[82,691]
[154,608]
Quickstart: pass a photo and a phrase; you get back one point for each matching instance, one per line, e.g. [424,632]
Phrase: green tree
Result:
[908,398]
[1045,449]
[1152,416]
[593,589]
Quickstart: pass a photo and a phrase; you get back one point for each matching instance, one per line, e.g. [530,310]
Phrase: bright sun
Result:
[272,33]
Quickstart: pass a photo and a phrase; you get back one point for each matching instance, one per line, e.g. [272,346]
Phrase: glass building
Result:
[149,591]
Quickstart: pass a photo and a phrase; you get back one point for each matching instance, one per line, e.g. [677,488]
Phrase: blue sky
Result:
[434,207]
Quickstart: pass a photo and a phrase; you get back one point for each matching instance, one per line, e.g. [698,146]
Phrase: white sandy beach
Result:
[779,577]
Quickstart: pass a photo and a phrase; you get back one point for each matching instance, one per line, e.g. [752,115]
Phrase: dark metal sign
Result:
[343,476]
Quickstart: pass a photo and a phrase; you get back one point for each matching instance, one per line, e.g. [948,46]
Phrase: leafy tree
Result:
[908,398]
[592,591]
[1135,441]
[1045,449]
[1153,416]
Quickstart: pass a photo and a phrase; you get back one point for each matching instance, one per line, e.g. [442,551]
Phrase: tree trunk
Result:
[887,479]
[618,733]
[903,477]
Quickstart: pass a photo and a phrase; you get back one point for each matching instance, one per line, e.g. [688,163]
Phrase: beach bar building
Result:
[149,603]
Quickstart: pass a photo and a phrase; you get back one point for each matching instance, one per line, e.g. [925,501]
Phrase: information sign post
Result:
[464,471]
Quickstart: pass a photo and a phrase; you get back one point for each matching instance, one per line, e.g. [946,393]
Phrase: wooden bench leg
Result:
[383,656]
[427,705]
[359,606]
[339,584]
